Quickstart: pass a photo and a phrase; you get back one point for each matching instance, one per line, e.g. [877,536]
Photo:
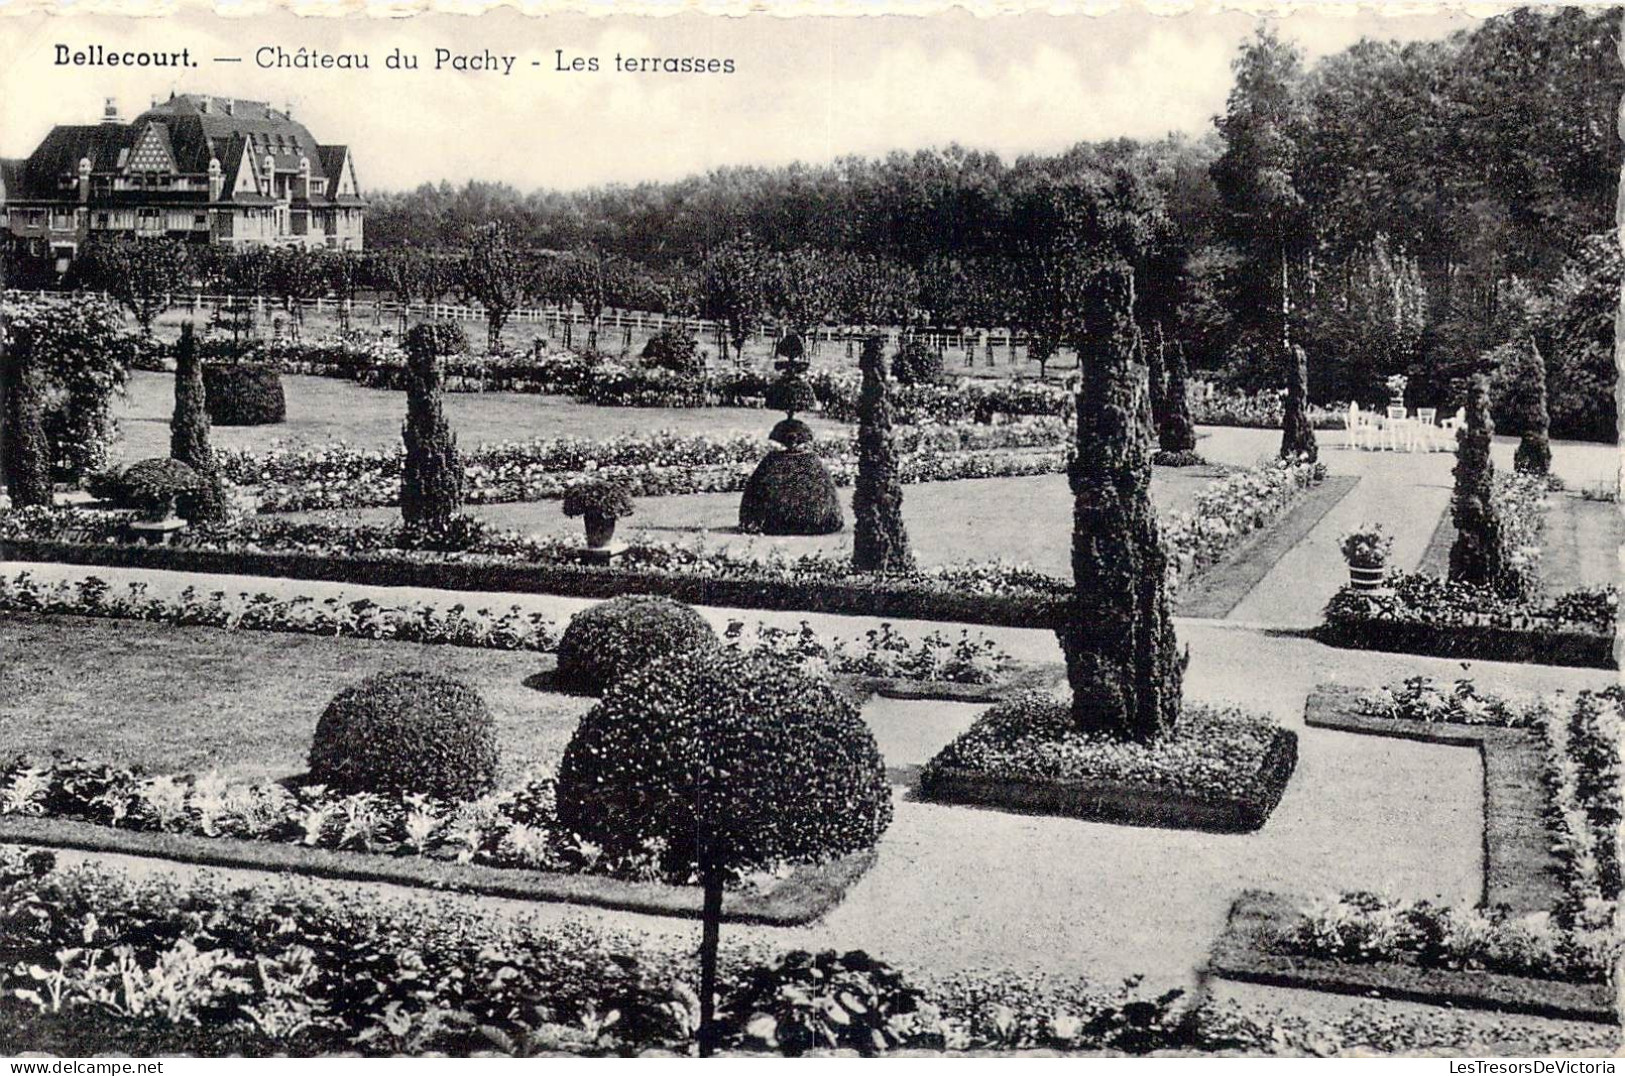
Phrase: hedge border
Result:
[1243,952]
[1125,803]
[574,581]
[1215,591]
[1519,869]
[1475,642]
[804,896]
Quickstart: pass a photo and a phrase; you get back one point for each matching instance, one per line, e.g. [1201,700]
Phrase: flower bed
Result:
[1423,614]
[1546,938]
[1222,770]
[1253,949]
[882,653]
[100,963]
[989,592]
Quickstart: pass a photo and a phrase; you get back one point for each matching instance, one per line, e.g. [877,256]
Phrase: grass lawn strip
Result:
[1519,869]
[1245,951]
[807,893]
[1217,589]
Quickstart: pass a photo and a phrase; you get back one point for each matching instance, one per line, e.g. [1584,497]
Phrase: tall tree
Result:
[1122,658]
[735,285]
[1475,557]
[492,274]
[142,275]
[1264,214]
[879,537]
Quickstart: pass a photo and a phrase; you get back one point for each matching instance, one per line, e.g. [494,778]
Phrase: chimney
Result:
[203,104]
[216,180]
[110,111]
[231,107]
[84,180]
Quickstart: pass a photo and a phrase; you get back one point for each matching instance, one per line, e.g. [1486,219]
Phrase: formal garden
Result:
[758,655]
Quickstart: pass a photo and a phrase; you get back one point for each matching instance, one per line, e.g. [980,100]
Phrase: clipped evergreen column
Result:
[1117,631]
[1297,432]
[189,433]
[24,448]
[1177,432]
[1475,557]
[1157,379]
[880,540]
[1534,455]
[432,473]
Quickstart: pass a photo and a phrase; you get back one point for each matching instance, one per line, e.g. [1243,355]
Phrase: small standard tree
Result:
[189,433]
[879,538]
[1122,658]
[141,275]
[1534,455]
[432,473]
[1475,557]
[1297,432]
[25,448]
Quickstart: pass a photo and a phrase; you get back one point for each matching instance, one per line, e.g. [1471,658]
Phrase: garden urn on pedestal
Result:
[600,502]
[152,487]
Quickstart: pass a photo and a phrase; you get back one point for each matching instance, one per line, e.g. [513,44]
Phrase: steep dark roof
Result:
[59,155]
[201,126]
[331,160]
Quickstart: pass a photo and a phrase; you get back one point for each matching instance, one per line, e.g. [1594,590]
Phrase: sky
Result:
[808,89]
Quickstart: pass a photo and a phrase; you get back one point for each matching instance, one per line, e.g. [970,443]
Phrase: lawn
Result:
[193,699]
[328,409]
[1014,519]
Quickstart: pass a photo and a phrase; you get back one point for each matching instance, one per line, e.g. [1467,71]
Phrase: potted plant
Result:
[601,501]
[1366,549]
[152,487]
[1396,389]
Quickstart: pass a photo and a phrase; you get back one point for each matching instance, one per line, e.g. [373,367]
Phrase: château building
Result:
[198,168]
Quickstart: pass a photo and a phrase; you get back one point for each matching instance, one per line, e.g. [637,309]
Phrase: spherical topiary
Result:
[791,393]
[791,433]
[404,733]
[734,754]
[603,643]
[916,363]
[790,492]
[244,394]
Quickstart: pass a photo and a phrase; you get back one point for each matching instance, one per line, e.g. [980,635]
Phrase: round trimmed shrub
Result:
[404,733]
[244,394]
[791,393]
[676,350]
[774,765]
[604,643]
[790,492]
[916,363]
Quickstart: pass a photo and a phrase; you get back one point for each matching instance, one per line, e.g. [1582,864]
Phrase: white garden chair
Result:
[1450,425]
[1399,430]
[1351,427]
[1427,428]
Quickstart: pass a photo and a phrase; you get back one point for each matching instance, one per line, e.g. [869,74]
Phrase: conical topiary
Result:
[1297,432]
[432,473]
[879,537]
[24,446]
[189,434]
[1475,556]
[1534,455]
[1122,658]
[1177,433]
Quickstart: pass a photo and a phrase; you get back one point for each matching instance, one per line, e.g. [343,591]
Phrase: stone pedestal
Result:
[156,531]
[603,554]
